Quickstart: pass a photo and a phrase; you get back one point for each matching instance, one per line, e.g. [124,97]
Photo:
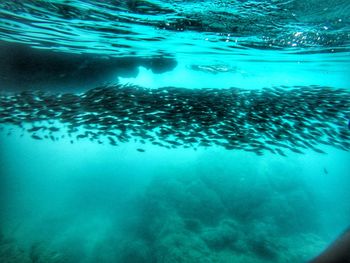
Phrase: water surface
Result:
[173,131]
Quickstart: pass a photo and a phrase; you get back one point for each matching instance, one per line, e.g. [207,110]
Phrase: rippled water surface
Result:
[173,131]
[220,28]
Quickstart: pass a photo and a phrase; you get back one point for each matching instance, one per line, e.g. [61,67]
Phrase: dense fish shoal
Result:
[274,120]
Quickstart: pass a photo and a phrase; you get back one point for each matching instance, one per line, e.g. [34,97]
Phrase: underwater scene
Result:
[158,131]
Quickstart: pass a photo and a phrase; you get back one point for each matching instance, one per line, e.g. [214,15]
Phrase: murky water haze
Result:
[104,175]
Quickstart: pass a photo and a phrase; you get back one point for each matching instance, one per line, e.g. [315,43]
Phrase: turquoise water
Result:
[173,131]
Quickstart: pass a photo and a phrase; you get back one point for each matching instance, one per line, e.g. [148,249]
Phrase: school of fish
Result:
[275,120]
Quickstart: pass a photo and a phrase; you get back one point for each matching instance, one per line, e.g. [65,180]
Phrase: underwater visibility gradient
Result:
[157,131]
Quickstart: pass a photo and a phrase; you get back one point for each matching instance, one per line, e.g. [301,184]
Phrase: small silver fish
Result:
[325,171]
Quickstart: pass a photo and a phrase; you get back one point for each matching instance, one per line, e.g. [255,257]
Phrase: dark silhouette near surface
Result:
[25,68]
